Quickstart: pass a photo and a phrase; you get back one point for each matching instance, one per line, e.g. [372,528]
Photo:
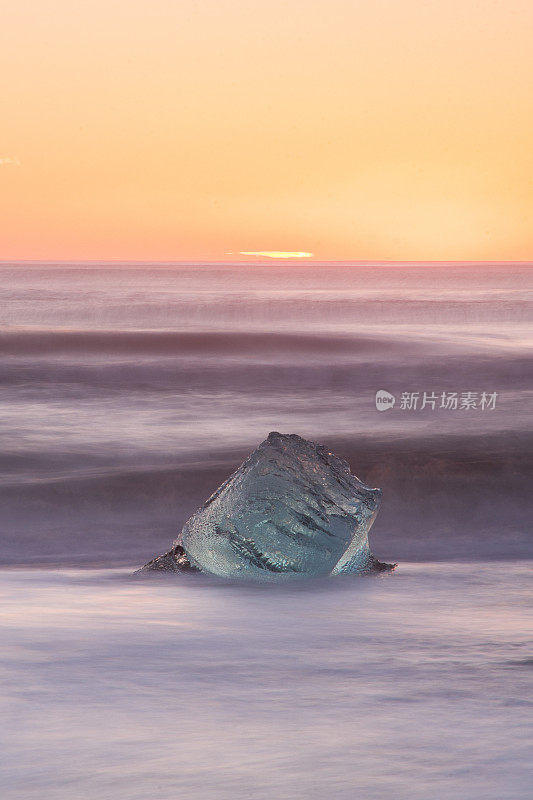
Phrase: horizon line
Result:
[265,261]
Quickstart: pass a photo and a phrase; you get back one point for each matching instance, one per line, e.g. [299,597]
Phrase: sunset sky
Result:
[190,129]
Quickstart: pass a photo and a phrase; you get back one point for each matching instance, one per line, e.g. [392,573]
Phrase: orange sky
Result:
[187,129]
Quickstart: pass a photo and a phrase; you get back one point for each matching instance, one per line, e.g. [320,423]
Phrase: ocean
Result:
[129,392]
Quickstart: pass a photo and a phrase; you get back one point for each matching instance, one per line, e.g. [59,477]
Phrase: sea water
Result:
[129,392]
[414,685]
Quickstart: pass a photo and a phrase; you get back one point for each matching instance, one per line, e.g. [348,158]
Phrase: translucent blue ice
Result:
[291,509]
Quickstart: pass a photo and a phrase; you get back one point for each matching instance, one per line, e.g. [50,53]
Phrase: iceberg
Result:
[292,509]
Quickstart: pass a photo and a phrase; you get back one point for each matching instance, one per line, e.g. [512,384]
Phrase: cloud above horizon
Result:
[276,253]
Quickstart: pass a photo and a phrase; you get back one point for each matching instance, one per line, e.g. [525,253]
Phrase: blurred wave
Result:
[129,393]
